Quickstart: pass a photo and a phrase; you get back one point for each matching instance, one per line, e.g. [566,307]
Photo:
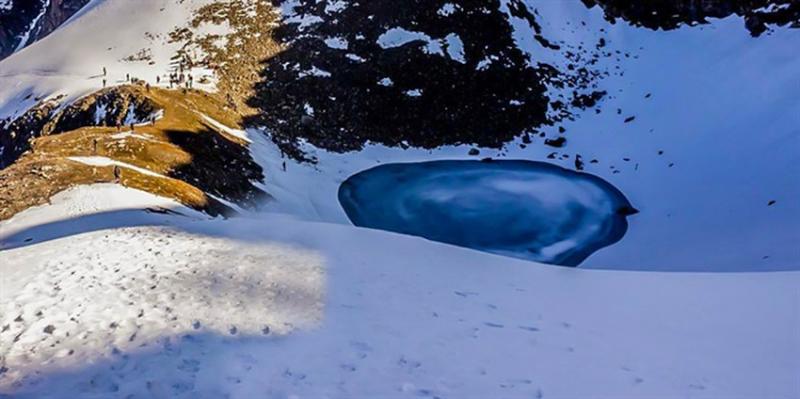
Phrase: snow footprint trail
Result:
[404,317]
[132,289]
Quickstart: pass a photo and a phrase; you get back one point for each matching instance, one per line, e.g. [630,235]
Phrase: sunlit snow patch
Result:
[523,209]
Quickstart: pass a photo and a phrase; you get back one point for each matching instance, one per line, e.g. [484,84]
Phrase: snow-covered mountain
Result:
[23,22]
[179,179]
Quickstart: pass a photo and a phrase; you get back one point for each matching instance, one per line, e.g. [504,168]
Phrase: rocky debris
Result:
[557,142]
[249,42]
[15,135]
[589,100]
[143,55]
[627,211]
[579,165]
[670,14]
[419,73]
[22,18]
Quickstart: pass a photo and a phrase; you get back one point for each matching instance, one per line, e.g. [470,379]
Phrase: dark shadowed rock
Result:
[671,14]
[20,25]
[423,73]
[557,142]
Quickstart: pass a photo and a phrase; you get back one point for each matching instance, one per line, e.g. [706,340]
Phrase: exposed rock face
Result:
[670,14]
[106,108]
[419,73]
[30,20]
[426,73]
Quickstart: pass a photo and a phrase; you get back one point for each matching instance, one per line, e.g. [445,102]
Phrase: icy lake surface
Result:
[524,209]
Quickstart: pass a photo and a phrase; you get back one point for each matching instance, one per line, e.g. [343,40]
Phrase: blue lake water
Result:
[524,209]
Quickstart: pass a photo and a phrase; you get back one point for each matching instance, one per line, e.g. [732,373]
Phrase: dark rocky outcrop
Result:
[23,17]
[109,107]
[670,14]
[463,80]
[15,135]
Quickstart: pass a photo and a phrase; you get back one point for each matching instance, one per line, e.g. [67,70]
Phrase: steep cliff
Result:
[24,22]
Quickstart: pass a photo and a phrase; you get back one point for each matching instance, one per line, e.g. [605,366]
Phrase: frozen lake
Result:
[524,209]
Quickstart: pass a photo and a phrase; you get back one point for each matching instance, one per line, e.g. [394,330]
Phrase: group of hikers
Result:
[117,171]
[180,77]
[176,79]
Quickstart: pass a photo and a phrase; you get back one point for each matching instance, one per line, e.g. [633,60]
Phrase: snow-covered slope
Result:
[68,63]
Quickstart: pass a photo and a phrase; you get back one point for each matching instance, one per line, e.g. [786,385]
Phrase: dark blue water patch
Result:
[524,209]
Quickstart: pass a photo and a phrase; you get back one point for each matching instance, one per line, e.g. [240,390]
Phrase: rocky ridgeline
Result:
[166,142]
[112,107]
[143,137]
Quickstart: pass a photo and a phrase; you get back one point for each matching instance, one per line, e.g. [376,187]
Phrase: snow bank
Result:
[105,161]
[237,133]
[81,201]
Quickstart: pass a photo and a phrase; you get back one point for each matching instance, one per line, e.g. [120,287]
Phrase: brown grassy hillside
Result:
[180,156]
